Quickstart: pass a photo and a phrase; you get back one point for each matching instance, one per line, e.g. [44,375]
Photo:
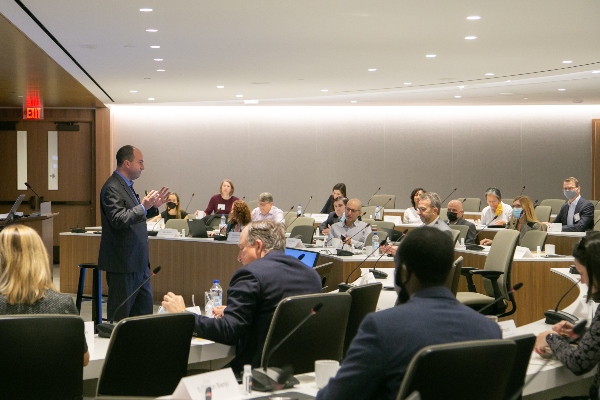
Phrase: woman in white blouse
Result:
[495,209]
[410,214]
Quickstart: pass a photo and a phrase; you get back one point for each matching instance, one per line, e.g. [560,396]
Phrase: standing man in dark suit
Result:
[577,214]
[455,215]
[267,277]
[124,244]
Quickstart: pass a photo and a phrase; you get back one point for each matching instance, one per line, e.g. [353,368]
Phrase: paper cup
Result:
[336,242]
[550,249]
[325,370]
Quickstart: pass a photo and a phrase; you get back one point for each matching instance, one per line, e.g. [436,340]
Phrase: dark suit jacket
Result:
[585,209]
[254,292]
[332,218]
[124,243]
[328,205]
[387,340]
[471,233]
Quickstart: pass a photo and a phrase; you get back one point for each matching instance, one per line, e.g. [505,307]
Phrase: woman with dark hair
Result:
[584,356]
[523,219]
[339,190]
[410,214]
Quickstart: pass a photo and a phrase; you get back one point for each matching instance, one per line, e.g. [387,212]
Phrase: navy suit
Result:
[124,249]
[254,292]
[585,209]
[387,341]
[332,218]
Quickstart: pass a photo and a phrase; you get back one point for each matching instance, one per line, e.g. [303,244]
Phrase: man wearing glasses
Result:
[352,231]
[429,212]
[577,214]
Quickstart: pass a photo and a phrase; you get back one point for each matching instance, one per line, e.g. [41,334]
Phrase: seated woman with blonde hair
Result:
[26,278]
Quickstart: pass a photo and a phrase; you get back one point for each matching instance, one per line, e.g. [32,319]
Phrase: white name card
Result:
[523,252]
[396,219]
[234,237]
[168,233]
[508,328]
[216,385]
[294,243]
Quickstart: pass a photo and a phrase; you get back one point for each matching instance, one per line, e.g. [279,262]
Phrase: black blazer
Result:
[585,209]
[332,218]
[124,243]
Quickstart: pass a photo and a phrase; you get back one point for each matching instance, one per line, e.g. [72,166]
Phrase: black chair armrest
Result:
[466,272]
[493,277]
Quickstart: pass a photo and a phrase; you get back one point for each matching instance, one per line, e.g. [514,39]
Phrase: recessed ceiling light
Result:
[151,30]
[430,55]
[145,9]
[457,97]
[470,37]
[561,90]
[133,91]
[525,98]
[490,74]
[220,87]
[461,87]
[150,98]
[352,101]
[567,62]
[155,47]
[158,59]
[250,101]
[372,69]
[474,17]
[595,72]
[324,90]
[239,95]
[407,83]
[508,80]
[160,70]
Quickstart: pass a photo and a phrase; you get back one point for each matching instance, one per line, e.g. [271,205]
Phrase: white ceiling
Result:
[286,52]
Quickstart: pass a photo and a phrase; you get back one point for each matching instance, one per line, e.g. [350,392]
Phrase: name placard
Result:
[234,237]
[219,384]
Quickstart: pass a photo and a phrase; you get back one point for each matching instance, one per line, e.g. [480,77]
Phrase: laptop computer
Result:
[197,228]
[14,208]
[309,258]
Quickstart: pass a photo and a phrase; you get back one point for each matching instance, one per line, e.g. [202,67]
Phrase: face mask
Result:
[171,205]
[517,212]
[570,194]
[452,216]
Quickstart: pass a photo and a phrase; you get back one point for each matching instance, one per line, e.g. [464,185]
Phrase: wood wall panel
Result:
[595,158]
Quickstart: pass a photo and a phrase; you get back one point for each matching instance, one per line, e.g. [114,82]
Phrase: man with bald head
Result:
[455,215]
[351,231]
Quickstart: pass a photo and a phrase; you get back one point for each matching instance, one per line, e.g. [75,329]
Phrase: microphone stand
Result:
[377,191]
[449,195]
[343,287]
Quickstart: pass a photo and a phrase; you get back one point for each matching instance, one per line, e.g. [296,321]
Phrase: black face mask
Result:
[452,216]
[171,205]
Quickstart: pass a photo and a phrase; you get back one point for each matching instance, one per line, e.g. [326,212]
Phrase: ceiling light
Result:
[508,80]
[567,62]
[430,55]
[145,9]
[133,91]
[239,95]
[324,90]
[158,59]
[470,37]
[150,98]
[352,101]
[457,97]
[372,69]
[407,83]
[561,90]
[155,47]
[595,72]
[250,101]
[525,98]
[151,30]
[489,74]
[474,17]
[461,87]
[160,70]
[220,87]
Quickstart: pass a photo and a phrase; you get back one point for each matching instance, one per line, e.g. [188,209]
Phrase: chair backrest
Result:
[382,236]
[306,232]
[289,216]
[383,200]
[42,356]
[324,272]
[543,213]
[299,222]
[463,229]
[252,204]
[442,371]
[596,218]
[147,355]
[472,204]
[321,337]
[455,235]
[364,301]
[516,381]
[556,204]
[370,212]
[533,239]
[454,276]
[369,221]
[596,203]
[500,259]
[443,213]
[383,224]
[178,224]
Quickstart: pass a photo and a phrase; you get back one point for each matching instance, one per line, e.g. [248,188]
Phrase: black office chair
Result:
[305,233]
[42,357]
[516,381]
[460,371]
[147,356]
[324,271]
[321,337]
[364,301]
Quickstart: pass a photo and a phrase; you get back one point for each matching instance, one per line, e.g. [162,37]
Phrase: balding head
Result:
[353,211]
[455,207]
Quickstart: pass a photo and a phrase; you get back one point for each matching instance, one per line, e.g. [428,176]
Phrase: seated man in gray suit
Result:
[577,214]
[455,215]
[429,212]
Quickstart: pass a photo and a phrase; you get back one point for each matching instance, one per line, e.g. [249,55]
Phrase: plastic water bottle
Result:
[299,211]
[216,294]
[375,243]
[247,379]
[208,307]
[377,213]
[223,226]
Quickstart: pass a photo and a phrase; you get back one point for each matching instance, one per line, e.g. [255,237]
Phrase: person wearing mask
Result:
[584,356]
[386,342]
[411,216]
[523,219]
[338,214]
[221,203]
[455,216]
[339,190]
[173,210]
[266,210]
[351,231]
[496,213]
[577,214]
[26,278]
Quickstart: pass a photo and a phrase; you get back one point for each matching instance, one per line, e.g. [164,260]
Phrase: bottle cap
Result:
[247,368]
[216,281]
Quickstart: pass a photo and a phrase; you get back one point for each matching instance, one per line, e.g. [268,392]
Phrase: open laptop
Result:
[197,228]
[14,208]
[309,258]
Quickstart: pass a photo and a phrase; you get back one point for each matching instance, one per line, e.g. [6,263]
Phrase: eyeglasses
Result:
[422,209]
[351,210]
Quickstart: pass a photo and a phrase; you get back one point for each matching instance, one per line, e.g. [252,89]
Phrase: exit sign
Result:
[33,113]
[33,108]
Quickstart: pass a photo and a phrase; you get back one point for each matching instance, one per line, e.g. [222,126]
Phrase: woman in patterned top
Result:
[585,355]
[26,278]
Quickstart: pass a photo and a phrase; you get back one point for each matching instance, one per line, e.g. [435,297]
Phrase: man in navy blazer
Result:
[267,277]
[124,244]
[387,340]
[577,214]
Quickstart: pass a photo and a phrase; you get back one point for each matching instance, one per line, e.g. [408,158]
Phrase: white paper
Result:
[89,334]
[45,208]
[396,219]
[294,243]
[234,237]
[523,252]
[221,384]
[508,328]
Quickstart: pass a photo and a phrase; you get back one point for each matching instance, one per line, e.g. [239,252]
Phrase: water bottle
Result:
[377,213]
[247,379]
[216,294]
[208,307]
[223,226]
[299,212]
[375,243]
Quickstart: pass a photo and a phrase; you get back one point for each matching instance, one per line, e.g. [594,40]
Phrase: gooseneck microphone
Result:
[522,190]
[188,204]
[555,316]
[380,274]
[377,191]
[306,207]
[106,329]
[268,379]
[502,298]
[449,195]
[30,188]
[344,286]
